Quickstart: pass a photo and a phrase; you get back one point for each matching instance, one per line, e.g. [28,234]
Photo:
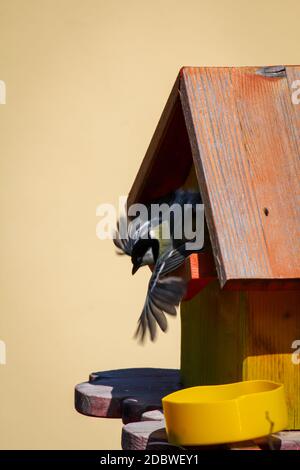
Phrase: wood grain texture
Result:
[244,133]
[125,393]
[144,435]
[229,336]
[154,415]
[273,324]
[212,337]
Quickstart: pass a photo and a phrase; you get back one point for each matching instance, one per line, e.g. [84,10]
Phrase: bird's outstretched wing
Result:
[164,294]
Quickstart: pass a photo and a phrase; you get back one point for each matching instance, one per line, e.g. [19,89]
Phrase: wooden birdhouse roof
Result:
[240,128]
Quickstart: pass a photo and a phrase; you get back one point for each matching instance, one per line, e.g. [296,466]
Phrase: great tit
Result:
[145,244]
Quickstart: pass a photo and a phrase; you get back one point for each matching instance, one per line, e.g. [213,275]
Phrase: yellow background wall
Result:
[86,83]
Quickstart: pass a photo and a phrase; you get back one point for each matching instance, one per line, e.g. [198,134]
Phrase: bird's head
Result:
[145,252]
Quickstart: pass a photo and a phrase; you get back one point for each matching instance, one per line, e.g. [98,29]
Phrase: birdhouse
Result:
[234,133]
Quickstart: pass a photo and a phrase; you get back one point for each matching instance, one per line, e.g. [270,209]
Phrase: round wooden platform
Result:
[125,393]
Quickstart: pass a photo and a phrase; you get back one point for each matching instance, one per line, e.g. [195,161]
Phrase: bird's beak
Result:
[135,267]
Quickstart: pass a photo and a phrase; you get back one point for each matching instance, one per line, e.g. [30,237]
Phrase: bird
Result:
[146,246]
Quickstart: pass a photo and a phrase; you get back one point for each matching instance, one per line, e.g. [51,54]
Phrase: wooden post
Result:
[228,336]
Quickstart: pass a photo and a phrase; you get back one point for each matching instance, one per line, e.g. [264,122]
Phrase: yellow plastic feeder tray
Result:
[218,414]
